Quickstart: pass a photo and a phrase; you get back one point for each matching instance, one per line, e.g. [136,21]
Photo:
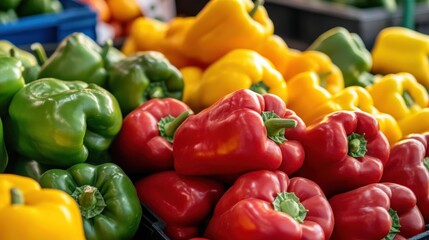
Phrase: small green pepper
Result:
[11,81]
[33,7]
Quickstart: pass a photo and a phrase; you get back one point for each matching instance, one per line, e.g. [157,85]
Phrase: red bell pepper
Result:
[408,165]
[144,144]
[268,205]
[243,131]
[376,211]
[183,203]
[343,151]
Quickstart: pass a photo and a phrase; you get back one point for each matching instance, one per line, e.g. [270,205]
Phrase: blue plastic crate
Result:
[51,28]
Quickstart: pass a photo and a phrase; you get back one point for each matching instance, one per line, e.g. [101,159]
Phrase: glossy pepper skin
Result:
[243,131]
[4,157]
[74,119]
[408,166]
[268,205]
[143,76]
[411,45]
[344,150]
[183,203]
[276,50]
[238,69]
[329,74]
[224,25]
[376,211]
[52,214]
[11,81]
[145,142]
[28,60]
[78,57]
[401,96]
[106,197]
[349,53]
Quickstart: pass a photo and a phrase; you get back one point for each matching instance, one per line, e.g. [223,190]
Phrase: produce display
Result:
[214,127]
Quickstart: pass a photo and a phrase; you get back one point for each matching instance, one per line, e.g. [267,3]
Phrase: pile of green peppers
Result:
[11,10]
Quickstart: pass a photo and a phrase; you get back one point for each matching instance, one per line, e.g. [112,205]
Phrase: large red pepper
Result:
[408,165]
[243,131]
[144,144]
[183,203]
[343,151]
[268,205]
[376,211]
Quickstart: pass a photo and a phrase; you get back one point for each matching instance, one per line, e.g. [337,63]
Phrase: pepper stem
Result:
[409,101]
[357,145]
[322,78]
[289,203]
[426,163]
[90,200]
[16,196]
[256,5]
[106,48]
[276,126]
[167,126]
[156,92]
[39,52]
[395,227]
[259,87]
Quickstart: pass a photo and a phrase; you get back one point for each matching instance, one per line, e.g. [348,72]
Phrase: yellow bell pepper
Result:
[398,49]
[308,98]
[276,51]
[357,98]
[224,25]
[191,77]
[124,10]
[401,96]
[239,69]
[148,34]
[29,212]
[330,75]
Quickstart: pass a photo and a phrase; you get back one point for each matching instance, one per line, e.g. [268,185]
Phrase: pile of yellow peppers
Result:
[231,45]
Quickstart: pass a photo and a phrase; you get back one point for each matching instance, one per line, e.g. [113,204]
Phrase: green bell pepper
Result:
[11,81]
[78,57]
[106,196]
[349,53]
[7,16]
[60,123]
[33,7]
[9,4]
[143,76]
[31,66]
[4,159]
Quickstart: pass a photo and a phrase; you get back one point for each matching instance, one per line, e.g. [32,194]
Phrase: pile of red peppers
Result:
[249,168]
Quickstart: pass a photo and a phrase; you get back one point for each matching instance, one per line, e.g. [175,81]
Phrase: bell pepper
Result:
[106,196]
[124,10]
[74,119]
[144,144]
[224,25]
[144,76]
[268,205]
[412,46]
[8,16]
[243,131]
[78,57]
[376,211]
[148,34]
[343,151]
[275,49]
[29,212]
[329,74]
[239,69]
[11,81]
[401,96]
[28,60]
[9,4]
[318,99]
[356,98]
[191,78]
[33,7]
[183,203]
[349,53]
[4,157]
[408,166]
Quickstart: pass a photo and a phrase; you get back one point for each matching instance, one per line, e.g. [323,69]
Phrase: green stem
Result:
[167,126]
[39,52]
[260,87]
[106,48]
[156,92]
[322,78]
[90,200]
[426,163]
[16,196]
[408,14]
[356,145]
[409,101]
[395,227]
[275,125]
[257,3]
[290,204]
[87,198]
